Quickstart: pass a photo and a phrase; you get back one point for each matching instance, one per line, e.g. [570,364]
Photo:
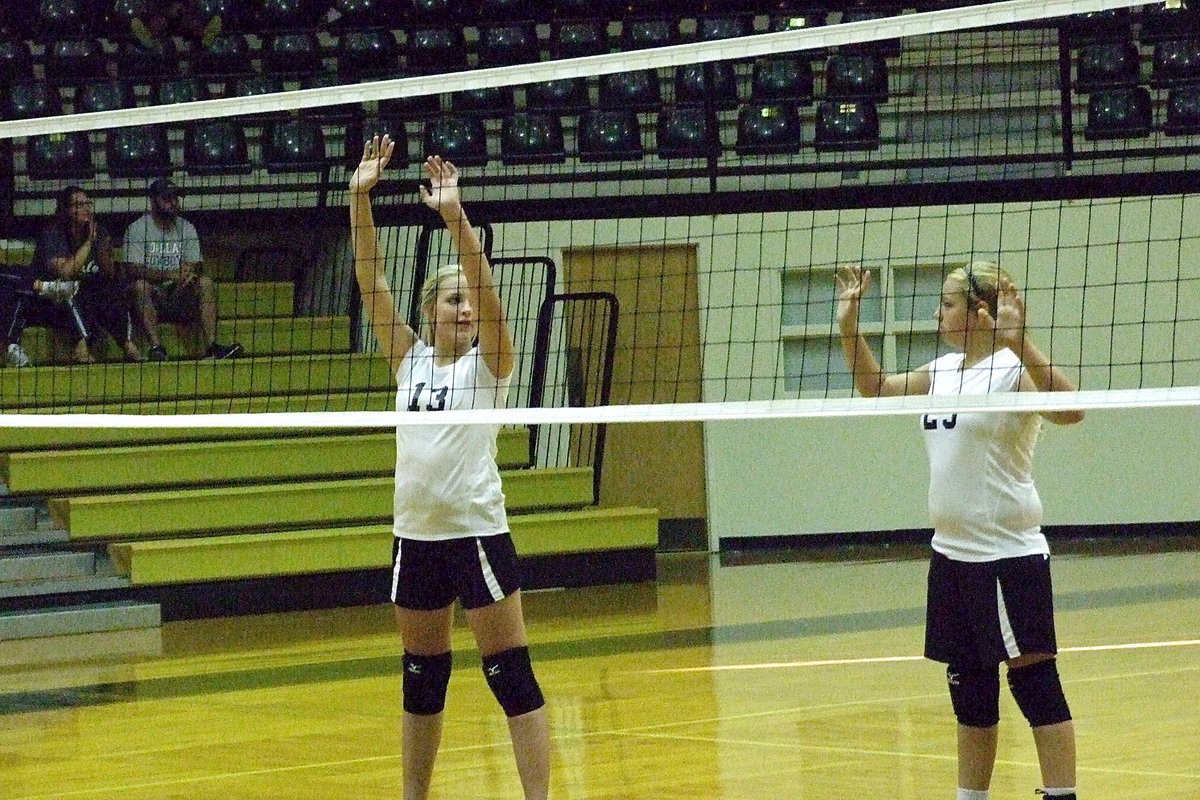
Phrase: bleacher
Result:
[176,514]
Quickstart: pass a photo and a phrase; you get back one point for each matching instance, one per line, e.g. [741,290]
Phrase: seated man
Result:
[71,285]
[162,257]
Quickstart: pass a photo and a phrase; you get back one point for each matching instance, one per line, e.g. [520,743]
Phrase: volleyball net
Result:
[664,199]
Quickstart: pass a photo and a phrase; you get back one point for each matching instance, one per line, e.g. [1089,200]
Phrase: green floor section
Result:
[320,455]
[286,505]
[366,547]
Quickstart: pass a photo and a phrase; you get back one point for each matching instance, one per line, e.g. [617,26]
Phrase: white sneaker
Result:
[59,291]
[16,356]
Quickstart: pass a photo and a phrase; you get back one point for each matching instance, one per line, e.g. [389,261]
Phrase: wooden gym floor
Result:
[756,677]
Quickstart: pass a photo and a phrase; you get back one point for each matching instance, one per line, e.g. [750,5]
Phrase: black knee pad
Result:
[425,681]
[510,677]
[975,694]
[1039,693]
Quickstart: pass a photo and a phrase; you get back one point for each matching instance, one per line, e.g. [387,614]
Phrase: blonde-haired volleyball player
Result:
[989,594]
[451,533]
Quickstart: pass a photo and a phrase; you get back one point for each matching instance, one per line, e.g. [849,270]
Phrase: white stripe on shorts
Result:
[396,569]
[1006,630]
[489,577]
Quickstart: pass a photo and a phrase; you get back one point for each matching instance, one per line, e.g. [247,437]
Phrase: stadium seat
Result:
[435,49]
[140,151]
[532,138]
[229,53]
[457,137]
[1107,65]
[294,145]
[215,147]
[63,17]
[1183,111]
[278,15]
[591,10]
[291,54]
[71,60]
[575,38]
[368,53]
[638,34]
[888,48]
[638,90]
[59,156]
[847,125]
[1176,62]
[712,83]
[103,95]
[492,101]
[563,94]
[31,98]
[686,132]
[711,28]
[355,14]
[856,76]
[16,60]
[180,89]
[135,61]
[767,129]
[787,77]
[503,45]
[610,135]
[1119,114]
[426,11]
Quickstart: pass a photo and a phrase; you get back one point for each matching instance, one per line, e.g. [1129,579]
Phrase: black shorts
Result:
[981,613]
[176,302]
[477,571]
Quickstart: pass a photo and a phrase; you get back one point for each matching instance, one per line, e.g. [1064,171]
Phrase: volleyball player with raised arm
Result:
[989,595]
[451,533]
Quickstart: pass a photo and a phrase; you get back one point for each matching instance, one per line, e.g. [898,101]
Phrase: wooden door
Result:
[657,360]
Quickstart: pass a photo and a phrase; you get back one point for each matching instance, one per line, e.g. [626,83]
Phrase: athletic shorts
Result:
[477,571]
[981,613]
[175,302]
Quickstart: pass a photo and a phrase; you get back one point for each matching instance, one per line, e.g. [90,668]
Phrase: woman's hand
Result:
[852,283]
[1009,324]
[376,154]
[443,184]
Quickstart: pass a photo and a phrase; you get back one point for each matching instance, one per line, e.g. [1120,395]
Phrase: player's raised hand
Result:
[443,184]
[1009,323]
[852,283]
[377,152]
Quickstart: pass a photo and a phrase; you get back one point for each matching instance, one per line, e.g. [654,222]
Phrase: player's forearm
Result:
[864,367]
[1045,376]
[368,267]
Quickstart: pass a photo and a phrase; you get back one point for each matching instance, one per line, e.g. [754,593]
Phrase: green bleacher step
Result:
[78,386]
[264,299]
[257,555]
[320,456]
[258,337]
[366,398]
[289,505]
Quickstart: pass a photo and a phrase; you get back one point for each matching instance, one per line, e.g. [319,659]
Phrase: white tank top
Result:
[982,500]
[447,481]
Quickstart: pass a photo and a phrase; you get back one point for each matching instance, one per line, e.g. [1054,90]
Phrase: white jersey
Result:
[447,481]
[982,501]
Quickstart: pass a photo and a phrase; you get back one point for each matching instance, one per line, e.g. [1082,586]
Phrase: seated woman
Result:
[74,247]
